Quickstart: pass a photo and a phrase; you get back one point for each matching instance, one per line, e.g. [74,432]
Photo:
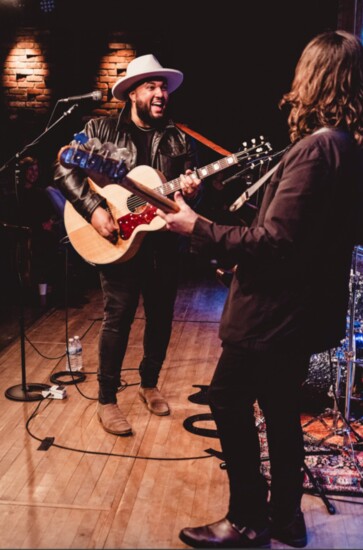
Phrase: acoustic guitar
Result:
[128,200]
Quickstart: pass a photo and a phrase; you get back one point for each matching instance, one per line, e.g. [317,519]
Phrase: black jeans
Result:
[274,379]
[153,275]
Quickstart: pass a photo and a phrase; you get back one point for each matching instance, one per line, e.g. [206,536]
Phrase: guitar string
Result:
[168,187]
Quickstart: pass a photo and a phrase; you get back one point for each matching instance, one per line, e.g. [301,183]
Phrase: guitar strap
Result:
[204,140]
[249,192]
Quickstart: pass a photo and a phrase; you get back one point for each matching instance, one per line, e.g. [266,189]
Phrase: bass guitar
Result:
[134,211]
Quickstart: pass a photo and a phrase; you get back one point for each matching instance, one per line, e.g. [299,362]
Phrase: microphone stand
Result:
[19,154]
[25,391]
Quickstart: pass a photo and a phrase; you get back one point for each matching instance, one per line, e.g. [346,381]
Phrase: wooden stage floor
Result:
[91,489]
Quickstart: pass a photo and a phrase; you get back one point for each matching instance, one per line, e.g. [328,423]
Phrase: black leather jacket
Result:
[172,153]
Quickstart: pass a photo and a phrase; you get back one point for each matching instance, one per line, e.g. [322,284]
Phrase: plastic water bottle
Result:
[78,360]
[71,355]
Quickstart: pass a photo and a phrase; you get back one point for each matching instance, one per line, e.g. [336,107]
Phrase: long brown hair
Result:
[327,89]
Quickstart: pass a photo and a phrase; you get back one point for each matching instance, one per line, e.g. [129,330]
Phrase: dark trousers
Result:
[154,277]
[274,379]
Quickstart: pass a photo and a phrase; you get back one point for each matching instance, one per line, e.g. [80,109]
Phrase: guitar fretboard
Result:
[201,173]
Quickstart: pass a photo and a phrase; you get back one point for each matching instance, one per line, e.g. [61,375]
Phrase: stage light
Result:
[47,6]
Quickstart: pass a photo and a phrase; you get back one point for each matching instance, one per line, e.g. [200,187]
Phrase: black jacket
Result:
[291,286]
[172,153]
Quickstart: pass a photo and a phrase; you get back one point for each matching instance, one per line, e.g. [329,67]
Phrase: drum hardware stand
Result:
[341,420]
[334,413]
[259,419]
[339,417]
[319,489]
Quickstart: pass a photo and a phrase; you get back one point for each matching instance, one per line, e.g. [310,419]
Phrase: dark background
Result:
[238,67]
[237,58]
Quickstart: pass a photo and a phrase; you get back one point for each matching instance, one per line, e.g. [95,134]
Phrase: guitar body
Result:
[134,216]
[132,198]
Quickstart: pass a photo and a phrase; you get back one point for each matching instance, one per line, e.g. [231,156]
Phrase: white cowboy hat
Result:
[144,67]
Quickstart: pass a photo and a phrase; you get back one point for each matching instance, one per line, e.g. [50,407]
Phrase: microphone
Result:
[95,96]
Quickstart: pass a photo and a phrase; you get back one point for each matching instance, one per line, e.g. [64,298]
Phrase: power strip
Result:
[55,392]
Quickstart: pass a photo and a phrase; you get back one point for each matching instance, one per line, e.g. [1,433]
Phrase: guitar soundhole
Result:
[136,204]
[140,214]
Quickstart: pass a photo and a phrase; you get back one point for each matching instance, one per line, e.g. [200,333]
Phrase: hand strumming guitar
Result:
[104,223]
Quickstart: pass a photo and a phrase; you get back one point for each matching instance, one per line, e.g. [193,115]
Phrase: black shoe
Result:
[224,534]
[292,532]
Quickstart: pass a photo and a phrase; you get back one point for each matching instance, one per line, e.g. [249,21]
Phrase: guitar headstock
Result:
[257,154]
[256,149]
[105,163]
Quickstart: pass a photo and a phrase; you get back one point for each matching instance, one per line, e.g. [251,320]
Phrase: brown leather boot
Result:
[112,419]
[154,401]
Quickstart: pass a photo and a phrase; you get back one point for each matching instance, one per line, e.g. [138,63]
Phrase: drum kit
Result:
[335,374]
[344,363]
[353,346]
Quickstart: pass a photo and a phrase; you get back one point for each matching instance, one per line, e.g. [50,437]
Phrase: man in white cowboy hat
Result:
[152,139]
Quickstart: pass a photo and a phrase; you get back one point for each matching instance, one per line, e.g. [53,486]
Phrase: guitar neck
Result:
[103,168]
[201,173]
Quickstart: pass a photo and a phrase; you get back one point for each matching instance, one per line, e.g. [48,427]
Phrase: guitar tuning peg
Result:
[94,144]
[244,143]
[124,154]
[121,154]
[108,149]
[81,138]
[115,155]
[253,140]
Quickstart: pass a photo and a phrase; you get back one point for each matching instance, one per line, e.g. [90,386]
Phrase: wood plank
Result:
[92,489]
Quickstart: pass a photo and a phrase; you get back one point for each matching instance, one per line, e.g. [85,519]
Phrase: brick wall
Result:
[112,66]
[25,72]
[28,67]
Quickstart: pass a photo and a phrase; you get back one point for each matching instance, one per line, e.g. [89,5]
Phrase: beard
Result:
[144,114]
